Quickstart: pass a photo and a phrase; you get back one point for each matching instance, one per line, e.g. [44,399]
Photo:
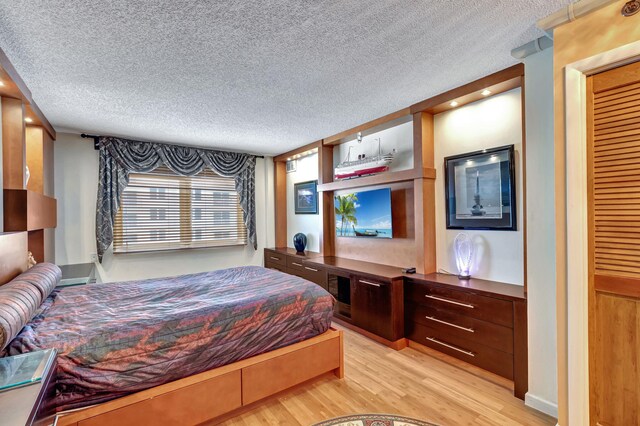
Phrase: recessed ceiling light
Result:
[486,92]
[454,104]
[28,120]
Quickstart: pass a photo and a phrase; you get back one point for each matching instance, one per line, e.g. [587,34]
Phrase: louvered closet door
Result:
[613,117]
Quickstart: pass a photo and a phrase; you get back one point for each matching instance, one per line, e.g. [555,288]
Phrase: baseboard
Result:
[541,404]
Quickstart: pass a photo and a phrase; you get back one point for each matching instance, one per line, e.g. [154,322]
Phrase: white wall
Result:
[76,182]
[308,224]
[488,123]
[399,138]
[541,274]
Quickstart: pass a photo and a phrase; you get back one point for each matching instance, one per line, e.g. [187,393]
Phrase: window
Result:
[157,213]
[163,211]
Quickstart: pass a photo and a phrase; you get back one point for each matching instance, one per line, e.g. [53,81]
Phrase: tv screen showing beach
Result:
[365,214]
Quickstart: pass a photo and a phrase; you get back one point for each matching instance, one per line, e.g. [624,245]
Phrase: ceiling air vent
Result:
[291,165]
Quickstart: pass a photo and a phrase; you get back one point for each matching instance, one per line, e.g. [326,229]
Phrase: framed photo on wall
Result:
[306,197]
[480,190]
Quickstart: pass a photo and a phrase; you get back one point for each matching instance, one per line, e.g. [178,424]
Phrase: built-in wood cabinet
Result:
[289,261]
[370,305]
[480,322]
[368,296]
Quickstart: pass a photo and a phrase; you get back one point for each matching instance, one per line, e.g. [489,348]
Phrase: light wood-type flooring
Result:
[417,383]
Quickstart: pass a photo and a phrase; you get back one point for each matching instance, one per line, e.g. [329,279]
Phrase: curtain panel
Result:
[120,157]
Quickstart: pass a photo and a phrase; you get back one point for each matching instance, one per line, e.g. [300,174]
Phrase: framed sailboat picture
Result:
[480,190]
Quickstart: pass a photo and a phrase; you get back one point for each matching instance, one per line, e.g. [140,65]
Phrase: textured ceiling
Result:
[250,75]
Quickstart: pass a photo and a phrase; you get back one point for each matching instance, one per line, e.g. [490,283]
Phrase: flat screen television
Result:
[365,214]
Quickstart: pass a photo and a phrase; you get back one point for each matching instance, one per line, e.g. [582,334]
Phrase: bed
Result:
[184,349]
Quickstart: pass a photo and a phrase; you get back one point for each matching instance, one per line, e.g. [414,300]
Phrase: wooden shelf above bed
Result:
[27,144]
[26,210]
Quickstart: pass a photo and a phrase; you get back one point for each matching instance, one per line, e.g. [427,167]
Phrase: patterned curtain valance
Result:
[120,157]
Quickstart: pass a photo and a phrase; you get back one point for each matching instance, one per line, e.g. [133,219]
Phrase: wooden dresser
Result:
[481,322]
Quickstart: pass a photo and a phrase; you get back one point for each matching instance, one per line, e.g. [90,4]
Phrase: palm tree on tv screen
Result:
[346,209]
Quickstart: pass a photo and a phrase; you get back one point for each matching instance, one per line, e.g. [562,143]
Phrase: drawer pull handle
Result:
[274,258]
[466,305]
[369,283]
[470,330]
[310,269]
[296,264]
[434,340]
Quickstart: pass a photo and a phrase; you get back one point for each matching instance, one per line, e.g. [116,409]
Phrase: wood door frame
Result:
[575,311]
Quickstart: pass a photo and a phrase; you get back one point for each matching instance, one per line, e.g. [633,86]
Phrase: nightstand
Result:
[25,405]
[78,274]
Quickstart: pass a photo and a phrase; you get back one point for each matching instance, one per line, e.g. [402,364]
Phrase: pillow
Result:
[44,276]
[22,296]
[19,301]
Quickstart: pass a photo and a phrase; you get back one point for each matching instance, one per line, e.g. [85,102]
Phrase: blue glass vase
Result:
[300,242]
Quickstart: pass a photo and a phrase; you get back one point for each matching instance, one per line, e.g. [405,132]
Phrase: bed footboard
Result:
[214,393]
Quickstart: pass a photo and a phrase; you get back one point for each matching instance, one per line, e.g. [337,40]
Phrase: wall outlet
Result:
[94,257]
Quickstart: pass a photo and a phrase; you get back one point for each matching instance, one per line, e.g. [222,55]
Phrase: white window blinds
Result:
[163,211]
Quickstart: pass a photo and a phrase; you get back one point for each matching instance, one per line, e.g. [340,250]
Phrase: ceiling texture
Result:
[248,75]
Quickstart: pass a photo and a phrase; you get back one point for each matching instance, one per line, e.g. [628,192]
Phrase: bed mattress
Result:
[118,338]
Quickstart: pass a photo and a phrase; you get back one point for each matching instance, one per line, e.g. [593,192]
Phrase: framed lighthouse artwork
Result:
[480,190]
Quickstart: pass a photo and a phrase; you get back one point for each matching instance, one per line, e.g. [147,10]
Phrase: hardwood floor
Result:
[425,385]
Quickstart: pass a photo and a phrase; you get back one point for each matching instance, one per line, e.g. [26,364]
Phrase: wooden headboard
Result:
[13,255]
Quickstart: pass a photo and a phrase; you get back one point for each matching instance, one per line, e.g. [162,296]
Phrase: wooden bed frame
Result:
[206,396]
[203,397]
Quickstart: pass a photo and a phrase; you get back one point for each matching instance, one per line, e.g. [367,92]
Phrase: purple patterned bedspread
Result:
[118,338]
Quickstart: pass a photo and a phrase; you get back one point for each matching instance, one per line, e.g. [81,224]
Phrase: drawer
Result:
[295,263]
[480,331]
[490,359]
[276,266]
[277,374]
[467,303]
[205,400]
[311,273]
[316,275]
[275,258]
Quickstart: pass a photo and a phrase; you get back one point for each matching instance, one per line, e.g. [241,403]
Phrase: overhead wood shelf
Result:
[37,118]
[379,179]
[26,210]
[14,87]
[496,83]
[303,150]
[392,120]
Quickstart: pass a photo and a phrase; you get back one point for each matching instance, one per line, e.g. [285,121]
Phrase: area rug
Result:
[373,420]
